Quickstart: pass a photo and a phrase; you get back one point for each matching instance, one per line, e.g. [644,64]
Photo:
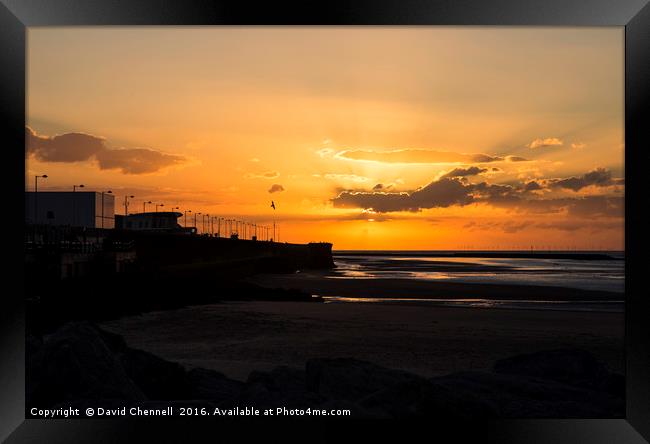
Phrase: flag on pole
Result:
[272,205]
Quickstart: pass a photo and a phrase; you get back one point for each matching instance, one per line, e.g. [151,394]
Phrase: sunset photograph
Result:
[372,221]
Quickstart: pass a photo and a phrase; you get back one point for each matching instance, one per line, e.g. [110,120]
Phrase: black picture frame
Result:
[634,15]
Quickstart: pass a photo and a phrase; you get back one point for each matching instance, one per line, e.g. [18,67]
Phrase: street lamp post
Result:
[185,212]
[44,176]
[74,203]
[104,192]
[195,214]
[144,206]
[126,204]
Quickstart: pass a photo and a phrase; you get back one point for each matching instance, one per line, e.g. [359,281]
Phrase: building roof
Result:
[157,214]
[69,193]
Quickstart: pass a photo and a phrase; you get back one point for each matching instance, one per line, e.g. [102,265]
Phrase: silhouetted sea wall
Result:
[154,250]
[55,253]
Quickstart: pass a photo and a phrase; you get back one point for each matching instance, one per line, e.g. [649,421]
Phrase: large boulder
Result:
[158,378]
[83,363]
[75,363]
[282,386]
[351,379]
[516,396]
[211,385]
[419,397]
[567,366]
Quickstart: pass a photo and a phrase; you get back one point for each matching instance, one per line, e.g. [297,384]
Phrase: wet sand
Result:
[236,338]
[327,283]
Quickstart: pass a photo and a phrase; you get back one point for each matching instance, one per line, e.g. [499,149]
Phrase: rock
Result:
[75,363]
[351,379]
[426,398]
[283,378]
[282,386]
[157,378]
[572,367]
[515,396]
[82,365]
[211,385]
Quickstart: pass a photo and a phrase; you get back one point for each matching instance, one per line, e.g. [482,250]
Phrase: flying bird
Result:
[272,205]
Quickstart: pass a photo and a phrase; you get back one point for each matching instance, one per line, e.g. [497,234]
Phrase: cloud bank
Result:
[599,177]
[456,190]
[79,147]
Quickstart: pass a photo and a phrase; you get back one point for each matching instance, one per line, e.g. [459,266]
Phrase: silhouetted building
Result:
[158,221]
[88,209]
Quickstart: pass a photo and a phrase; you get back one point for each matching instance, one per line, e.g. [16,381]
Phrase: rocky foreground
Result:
[82,365]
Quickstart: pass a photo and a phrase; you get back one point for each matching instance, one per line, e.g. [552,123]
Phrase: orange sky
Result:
[370,138]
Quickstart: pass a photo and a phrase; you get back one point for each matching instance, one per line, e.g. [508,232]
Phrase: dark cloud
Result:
[442,193]
[383,187]
[516,159]
[136,160]
[70,147]
[417,156]
[485,190]
[78,147]
[463,172]
[599,177]
[533,185]
[448,191]
[276,188]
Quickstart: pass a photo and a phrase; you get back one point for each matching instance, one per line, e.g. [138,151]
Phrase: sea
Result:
[601,270]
